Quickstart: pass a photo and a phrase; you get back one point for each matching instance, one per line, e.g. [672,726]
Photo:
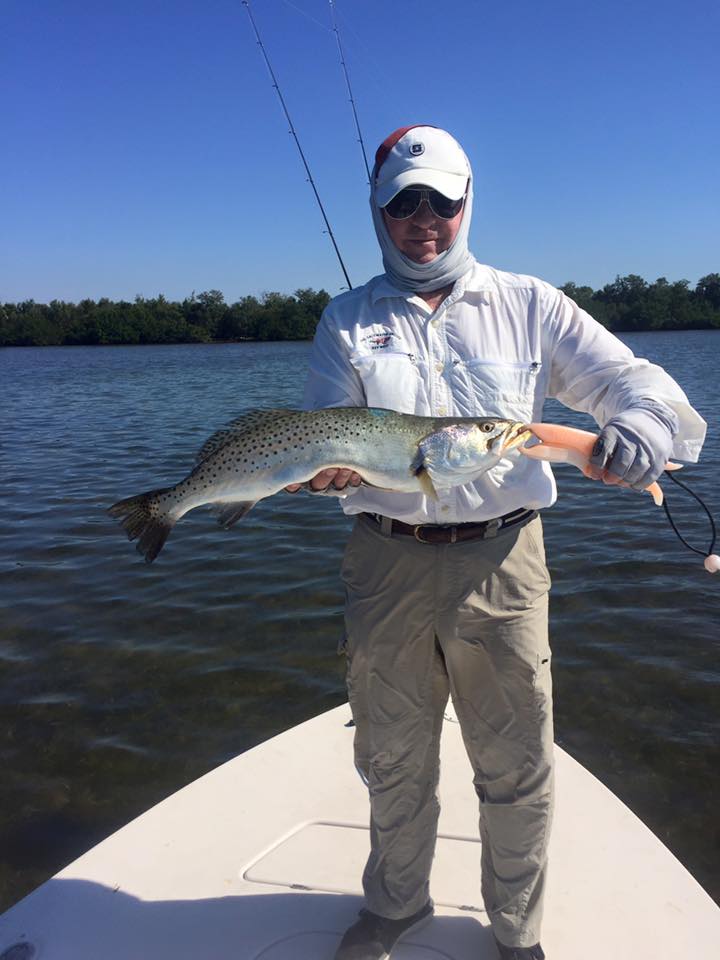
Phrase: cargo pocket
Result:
[392,380]
[542,688]
[500,388]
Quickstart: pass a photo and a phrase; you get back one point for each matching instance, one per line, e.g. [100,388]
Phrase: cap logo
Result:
[416,149]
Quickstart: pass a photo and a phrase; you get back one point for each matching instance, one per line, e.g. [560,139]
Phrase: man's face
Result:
[423,236]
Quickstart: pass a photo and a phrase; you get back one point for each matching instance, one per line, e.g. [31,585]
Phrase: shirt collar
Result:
[383,289]
[476,280]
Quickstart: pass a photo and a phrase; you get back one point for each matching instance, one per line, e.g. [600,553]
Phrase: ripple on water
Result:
[119,681]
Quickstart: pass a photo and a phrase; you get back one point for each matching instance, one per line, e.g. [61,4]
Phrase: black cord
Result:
[702,553]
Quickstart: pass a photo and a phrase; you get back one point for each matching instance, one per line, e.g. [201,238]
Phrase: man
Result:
[450,596]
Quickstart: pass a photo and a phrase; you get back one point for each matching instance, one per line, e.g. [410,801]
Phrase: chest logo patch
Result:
[378,341]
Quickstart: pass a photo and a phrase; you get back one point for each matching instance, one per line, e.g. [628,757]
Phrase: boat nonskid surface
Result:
[261,860]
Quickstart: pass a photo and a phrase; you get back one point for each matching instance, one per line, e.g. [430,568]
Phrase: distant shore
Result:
[628,305]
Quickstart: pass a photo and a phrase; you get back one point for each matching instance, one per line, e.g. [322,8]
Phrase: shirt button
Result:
[442,411]
[439,367]
[445,509]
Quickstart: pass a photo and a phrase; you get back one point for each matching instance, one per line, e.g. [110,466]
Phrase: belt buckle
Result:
[418,527]
[416,533]
[492,528]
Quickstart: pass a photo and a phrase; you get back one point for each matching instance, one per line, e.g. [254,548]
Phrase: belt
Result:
[456,533]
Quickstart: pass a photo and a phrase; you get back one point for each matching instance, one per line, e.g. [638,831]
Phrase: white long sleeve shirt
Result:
[497,346]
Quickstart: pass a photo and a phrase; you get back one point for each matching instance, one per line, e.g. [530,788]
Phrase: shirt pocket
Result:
[392,379]
[498,388]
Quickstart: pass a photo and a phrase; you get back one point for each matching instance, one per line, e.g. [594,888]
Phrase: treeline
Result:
[197,319]
[629,303]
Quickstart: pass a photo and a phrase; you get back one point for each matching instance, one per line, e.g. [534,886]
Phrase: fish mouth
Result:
[515,436]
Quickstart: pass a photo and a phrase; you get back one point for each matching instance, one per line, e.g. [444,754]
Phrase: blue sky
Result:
[144,152]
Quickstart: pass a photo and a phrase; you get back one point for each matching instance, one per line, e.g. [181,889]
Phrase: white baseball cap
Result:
[422,155]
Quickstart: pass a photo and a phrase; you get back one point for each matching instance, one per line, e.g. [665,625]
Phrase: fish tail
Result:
[146,521]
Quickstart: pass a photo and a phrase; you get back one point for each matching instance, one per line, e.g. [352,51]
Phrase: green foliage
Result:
[198,319]
[628,303]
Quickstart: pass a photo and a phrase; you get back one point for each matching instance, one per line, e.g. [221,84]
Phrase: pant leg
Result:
[398,689]
[494,636]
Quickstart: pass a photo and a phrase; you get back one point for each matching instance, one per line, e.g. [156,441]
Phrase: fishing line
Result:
[708,554]
[307,16]
[276,86]
[349,89]
[378,69]
[712,562]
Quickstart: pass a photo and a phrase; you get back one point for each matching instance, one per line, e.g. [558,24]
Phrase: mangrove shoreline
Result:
[628,304]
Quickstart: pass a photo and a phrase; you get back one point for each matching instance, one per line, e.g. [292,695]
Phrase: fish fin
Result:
[426,484]
[212,444]
[229,512]
[142,520]
[246,421]
[419,470]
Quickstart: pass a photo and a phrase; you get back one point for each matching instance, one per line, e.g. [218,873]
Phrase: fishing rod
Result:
[712,561]
[349,88]
[276,85]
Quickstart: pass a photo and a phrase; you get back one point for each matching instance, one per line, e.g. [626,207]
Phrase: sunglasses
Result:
[406,203]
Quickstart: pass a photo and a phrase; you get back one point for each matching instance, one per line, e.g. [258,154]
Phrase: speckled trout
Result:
[264,451]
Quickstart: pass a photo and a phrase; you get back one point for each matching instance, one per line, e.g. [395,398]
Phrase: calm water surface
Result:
[121,682]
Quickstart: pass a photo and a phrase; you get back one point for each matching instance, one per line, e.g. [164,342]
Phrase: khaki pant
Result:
[469,619]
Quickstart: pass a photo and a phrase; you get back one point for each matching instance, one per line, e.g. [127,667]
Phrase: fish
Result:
[560,444]
[263,451]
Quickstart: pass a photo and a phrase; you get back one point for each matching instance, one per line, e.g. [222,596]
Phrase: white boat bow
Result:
[261,860]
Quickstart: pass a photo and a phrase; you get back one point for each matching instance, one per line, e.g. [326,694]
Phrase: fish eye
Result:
[487,427]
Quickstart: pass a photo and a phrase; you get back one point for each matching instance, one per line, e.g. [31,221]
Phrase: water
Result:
[120,682]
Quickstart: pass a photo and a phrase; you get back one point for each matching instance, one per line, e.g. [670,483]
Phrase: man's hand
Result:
[634,446]
[335,476]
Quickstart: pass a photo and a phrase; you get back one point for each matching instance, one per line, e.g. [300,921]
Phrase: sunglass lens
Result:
[407,202]
[404,204]
[443,206]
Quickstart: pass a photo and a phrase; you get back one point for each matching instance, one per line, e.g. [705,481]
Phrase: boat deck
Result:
[261,860]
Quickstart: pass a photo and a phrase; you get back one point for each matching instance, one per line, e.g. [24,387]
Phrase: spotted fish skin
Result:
[264,451]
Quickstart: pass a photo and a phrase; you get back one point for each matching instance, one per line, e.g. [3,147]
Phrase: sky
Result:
[143,150]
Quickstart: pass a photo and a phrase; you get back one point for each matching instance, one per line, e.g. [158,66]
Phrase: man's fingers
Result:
[612,479]
[336,476]
[342,478]
[339,477]
[596,473]
[323,479]
[345,477]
